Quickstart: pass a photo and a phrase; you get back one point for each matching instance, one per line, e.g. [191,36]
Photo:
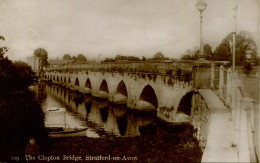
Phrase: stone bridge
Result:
[137,91]
[100,113]
[199,93]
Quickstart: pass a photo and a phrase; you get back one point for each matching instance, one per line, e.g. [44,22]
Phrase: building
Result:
[34,62]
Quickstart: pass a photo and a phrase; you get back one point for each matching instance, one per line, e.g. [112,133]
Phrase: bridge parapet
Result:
[229,89]
[165,68]
[162,67]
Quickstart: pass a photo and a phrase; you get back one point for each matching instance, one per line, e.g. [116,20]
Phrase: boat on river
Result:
[67,132]
[62,129]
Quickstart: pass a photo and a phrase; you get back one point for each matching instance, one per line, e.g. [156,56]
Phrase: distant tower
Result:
[34,62]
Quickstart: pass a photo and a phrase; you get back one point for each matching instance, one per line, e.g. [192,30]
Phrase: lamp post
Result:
[201,6]
[235,110]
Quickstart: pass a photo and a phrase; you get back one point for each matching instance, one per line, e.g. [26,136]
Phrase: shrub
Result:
[11,73]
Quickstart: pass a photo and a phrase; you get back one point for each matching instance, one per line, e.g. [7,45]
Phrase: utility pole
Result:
[235,111]
[234,57]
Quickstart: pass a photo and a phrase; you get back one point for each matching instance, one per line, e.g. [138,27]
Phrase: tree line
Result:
[118,58]
[13,75]
[80,57]
[224,50]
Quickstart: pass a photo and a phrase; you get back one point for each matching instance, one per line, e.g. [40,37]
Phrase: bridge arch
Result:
[58,78]
[148,94]
[64,79]
[103,86]
[50,77]
[88,84]
[121,88]
[54,77]
[77,82]
[61,79]
[185,104]
[69,80]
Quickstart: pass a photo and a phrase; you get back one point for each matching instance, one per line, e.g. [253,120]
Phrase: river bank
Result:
[159,141]
[166,148]
[163,147]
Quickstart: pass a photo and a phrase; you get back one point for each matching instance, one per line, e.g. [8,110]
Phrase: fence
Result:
[230,90]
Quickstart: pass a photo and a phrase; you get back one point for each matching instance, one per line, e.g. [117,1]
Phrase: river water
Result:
[24,114]
[99,116]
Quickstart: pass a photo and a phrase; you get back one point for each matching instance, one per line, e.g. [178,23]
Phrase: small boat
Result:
[67,132]
[62,130]
[55,109]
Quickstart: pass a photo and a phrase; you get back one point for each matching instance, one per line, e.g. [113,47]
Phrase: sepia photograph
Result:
[129,80]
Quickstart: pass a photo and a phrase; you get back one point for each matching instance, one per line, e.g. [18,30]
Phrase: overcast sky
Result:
[127,27]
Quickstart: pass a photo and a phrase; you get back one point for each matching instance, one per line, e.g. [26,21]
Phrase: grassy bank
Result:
[164,147]
[175,144]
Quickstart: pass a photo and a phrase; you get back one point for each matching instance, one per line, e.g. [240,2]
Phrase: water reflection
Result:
[98,115]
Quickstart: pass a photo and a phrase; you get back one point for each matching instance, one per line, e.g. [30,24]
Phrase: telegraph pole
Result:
[235,111]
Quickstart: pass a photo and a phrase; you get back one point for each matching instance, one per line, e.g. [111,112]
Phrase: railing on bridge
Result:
[243,111]
[222,83]
[181,70]
[161,67]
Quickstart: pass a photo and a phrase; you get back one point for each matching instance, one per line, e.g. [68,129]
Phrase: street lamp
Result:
[201,6]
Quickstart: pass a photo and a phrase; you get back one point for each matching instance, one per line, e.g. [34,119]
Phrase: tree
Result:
[119,57]
[158,56]
[13,76]
[81,58]
[208,54]
[3,50]
[23,74]
[191,55]
[244,42]
[133,58]
[66,57]
[109,60]
[2,38]
[195,53]
[126,58]
[5,68]
[74,57]
[186,57]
